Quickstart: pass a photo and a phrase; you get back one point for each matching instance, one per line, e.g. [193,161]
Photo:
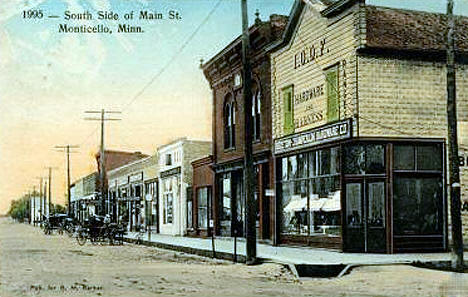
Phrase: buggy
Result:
[54,222]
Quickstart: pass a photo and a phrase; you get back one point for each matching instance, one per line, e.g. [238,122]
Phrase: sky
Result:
[48,79]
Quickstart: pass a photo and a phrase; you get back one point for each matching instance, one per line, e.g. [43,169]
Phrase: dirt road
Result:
[32,264]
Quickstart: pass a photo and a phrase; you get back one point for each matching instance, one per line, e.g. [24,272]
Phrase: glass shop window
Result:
[424,157]
[310,193]
[418,205]
[168,195]
[203,201]
[226,200]
[364,159]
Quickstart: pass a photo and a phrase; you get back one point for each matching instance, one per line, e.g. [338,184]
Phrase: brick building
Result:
[202,197]
[223,73]
[359,127]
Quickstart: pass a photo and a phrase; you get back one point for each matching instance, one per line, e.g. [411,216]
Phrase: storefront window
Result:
[311,194]
[168,194]
[418,189]
[189,212]
[364,159]
[417,206]
[226,201]
[429,157]
[202,202]
[404,157]
[295,220]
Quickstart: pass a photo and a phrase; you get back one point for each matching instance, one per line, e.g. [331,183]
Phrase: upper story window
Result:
[256,115]
[229,124]
[333,94]
[288,110]
[168,160]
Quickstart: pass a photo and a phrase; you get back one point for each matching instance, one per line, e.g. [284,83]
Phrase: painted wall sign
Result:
[463,160]
[170,172]
[269,192]
[310,53]
[135,177]
[324,134]
[309,94]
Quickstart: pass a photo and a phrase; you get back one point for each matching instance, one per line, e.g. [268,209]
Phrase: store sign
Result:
[269,192]
[328,133]
[170,172]
[135,177]
[463,160]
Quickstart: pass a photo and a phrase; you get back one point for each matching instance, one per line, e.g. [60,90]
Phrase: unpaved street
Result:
[32,264]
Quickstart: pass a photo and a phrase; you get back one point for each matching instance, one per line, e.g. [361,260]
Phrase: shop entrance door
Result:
[365,215]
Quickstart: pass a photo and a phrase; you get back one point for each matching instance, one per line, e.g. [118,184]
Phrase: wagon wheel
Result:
[70,230]
[111,237]
[81,238]
[46,229]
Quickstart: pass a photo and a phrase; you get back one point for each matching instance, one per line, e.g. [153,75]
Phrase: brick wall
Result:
[406,98]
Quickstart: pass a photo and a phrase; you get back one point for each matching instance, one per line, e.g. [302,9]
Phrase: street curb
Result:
[190,250]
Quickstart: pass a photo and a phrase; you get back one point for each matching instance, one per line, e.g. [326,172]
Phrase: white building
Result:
[175,179]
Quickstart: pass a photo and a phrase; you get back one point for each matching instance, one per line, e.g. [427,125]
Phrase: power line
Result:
[102,169]
[66,148]
[176,54]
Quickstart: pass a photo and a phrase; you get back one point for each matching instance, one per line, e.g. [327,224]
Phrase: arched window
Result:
[256,114]
[229,124]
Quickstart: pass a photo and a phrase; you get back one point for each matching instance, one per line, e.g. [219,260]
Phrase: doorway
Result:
[365,223]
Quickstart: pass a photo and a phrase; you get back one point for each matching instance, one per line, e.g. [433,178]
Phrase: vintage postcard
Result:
[233,148]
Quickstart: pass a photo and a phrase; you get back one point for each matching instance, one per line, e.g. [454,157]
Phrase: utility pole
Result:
[50,188]
[454,170]
[30,207]
[102,169]
[34,205]
[250,217]
[67,148]
[40,196]
[45,199]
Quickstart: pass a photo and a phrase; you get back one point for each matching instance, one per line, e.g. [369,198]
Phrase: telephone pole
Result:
[102,174]
[41,208]
[250,216]
[66,149]
[50,188]
[454,170]
[34,205]
[45,199]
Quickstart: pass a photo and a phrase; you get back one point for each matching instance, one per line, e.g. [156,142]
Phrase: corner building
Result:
[359,127]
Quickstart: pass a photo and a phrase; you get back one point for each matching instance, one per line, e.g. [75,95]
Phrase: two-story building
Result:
[224,72]
[175,181]
[360,126]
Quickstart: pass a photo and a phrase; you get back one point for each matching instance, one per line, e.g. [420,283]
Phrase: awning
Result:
[296,204]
